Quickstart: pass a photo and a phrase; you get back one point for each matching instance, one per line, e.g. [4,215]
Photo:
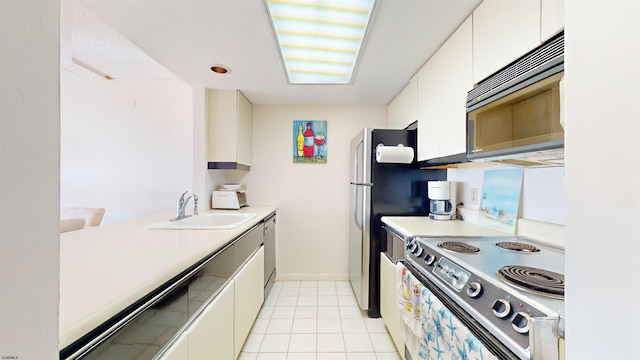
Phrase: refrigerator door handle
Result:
[356,164]
[355,209]
[355,202]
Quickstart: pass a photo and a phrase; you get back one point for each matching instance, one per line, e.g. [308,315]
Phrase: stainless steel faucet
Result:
[182,206]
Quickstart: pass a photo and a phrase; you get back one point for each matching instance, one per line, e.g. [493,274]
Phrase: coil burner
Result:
[516,246]
[457,246]
[541,282]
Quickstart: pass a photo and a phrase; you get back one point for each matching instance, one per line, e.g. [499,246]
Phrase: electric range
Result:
[512,287]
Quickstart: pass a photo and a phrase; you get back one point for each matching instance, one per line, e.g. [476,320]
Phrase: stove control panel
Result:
[429,259]
[501,308]
[474,289]
[414,248]
[451,273]
[520,322]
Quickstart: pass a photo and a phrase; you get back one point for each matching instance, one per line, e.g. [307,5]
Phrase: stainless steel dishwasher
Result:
[269,252]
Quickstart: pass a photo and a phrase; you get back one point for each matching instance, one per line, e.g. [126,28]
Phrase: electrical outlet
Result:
[474,195]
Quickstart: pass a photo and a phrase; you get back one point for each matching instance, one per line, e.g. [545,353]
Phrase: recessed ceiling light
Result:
[220,69]
[320,40]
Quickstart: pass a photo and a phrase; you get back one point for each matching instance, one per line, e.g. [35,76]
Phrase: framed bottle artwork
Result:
[310,141]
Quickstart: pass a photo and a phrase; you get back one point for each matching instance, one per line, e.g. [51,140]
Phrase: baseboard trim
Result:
[312,277]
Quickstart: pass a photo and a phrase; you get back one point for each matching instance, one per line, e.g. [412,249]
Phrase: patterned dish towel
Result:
[409,302]
[429,329]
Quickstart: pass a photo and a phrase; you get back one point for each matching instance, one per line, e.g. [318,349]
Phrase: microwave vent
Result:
[528,65]
[543,158]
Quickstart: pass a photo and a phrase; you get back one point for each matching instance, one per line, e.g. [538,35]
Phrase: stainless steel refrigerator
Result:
[377,190]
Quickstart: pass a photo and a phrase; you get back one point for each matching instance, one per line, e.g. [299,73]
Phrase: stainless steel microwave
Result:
[515,116]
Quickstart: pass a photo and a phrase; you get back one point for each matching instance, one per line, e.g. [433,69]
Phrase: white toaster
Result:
[228,199]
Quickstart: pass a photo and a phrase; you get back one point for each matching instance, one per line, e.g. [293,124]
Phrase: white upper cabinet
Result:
[229,141]
[403,110]
[503,30]
[443,83]
[551,19]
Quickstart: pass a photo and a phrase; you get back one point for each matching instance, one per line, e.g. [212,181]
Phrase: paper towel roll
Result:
[394,154]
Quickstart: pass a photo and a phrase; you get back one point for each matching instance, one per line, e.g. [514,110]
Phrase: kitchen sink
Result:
[211,221]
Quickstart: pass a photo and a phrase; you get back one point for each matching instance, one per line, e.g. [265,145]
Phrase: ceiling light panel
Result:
[320,39]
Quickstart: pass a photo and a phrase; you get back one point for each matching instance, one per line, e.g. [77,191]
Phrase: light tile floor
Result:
[317,320]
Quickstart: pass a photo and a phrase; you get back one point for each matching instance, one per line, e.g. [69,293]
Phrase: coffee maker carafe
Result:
[442,196]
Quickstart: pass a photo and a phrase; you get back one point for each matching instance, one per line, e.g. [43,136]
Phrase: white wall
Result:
[542,197]
[602,108]
[126,145]
[29,179]
[312,199]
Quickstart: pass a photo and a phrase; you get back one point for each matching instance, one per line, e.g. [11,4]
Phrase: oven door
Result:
[447,331]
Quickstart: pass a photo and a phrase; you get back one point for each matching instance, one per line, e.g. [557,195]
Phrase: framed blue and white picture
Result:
[500,199]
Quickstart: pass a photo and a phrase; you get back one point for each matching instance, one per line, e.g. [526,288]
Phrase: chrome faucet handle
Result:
[195,204]
[180,207]
[181,200]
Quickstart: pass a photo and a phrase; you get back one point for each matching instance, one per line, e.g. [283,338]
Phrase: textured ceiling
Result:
[86,38]
[160,39]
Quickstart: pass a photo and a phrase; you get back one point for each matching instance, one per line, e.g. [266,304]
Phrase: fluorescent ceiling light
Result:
[320,39]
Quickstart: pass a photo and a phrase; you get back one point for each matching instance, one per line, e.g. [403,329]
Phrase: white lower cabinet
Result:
[249,296]
[211,334]
[221,328]
[179,350]
[389,302]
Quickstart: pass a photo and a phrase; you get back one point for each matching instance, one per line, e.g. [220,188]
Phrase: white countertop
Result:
[422,225]
[104,269]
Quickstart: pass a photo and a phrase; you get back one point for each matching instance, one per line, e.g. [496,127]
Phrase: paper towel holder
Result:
[398,154]
[381,144]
